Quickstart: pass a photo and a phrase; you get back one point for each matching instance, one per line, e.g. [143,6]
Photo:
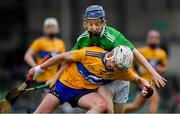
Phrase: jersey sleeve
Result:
[36,45]
[128,76]
[140,50]
[164,59]
[121,40]
[78,55]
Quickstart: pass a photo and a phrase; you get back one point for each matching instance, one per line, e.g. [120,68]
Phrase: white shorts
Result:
[120,90]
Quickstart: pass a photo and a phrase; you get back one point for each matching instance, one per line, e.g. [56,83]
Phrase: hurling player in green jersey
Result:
[99,34]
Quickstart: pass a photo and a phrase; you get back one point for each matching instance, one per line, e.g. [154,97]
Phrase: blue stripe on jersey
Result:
[94,54]
[90,77]
[154,63]
[42,54]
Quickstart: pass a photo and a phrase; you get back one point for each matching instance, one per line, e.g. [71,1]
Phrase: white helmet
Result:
[51,21]
[153,33]
[123,57]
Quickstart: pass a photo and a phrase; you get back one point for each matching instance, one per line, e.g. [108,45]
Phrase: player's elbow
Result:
[26,56]
[66,57]
[60,58]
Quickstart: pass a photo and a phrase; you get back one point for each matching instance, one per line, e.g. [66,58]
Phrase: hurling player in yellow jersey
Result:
[98,33]
[92,67]
[158,60]
[47,44]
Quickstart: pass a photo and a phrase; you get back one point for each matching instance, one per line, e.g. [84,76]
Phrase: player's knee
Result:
[110,109]
[102,105]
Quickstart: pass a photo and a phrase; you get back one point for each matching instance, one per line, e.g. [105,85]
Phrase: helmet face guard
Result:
[112,58]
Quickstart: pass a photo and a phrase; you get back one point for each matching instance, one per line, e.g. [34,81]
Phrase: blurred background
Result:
[22,21]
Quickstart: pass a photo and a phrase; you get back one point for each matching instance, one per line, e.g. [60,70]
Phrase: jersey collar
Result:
[102,32]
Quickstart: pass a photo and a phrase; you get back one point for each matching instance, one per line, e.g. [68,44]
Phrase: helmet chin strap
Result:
[109,69]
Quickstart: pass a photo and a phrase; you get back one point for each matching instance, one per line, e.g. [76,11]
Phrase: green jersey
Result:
[108,40]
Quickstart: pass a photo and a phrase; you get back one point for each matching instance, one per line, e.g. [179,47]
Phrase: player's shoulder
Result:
[112,33]
[161,51]
[83,35]
[143,49]
[59,40]
[40,39]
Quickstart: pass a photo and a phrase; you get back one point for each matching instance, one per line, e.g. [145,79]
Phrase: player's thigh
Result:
[90,100]
[49,104]
[118,107]
[108,96]
[105,93]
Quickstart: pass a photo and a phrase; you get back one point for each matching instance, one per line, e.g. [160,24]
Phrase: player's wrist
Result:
[38,69]
[153,73]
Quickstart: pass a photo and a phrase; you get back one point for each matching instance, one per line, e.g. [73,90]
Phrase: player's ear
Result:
[85,24]
[104,22]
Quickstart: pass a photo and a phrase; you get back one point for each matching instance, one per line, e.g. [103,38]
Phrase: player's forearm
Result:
[30,61]
[62,69]
[53,80]
[58,74]
[141,82]
[140,58]
[58,59]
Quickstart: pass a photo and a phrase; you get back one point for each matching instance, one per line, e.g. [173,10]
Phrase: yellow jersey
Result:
[43,46]
[155,57]
[89,71]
